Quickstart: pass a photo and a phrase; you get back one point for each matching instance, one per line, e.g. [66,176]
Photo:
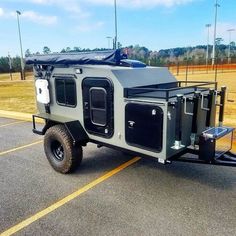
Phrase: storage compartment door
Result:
[144,126]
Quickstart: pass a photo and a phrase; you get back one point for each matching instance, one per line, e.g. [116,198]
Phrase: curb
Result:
[18,116]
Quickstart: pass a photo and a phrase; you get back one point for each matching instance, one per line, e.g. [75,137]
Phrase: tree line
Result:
[12,64]
[164,57]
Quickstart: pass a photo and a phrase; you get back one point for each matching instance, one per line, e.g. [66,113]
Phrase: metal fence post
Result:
[216,69]
[186,76]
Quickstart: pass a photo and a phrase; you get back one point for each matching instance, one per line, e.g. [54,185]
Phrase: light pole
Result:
[229,56]
[214,43]
[109,41]
[207,51]
[18,13]
[115,39]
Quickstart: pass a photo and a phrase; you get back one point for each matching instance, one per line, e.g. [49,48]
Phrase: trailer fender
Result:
[74,128]
[77,133]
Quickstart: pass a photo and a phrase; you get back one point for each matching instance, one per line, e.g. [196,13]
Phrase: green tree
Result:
[46,50]
[68,49]
[4,64]
[27,53]
[119,45]
[219,41]
[16,64]
[77,49]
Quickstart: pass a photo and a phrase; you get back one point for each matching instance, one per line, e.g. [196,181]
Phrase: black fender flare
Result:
[74,128]
[77,132]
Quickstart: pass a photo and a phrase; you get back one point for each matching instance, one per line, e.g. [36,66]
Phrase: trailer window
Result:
[65,92]
[98,106]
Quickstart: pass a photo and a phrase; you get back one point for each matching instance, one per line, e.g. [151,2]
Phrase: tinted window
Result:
[66,92]
[99,117]
[98,107]
[70,93]
[60,91]
[98,98]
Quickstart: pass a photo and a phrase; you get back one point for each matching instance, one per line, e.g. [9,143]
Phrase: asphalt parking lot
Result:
[145,198]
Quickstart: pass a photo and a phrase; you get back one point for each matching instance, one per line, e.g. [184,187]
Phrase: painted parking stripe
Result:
[12,123]
[67,199]
[21,147]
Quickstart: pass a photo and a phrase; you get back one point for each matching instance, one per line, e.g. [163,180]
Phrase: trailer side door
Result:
[98,106]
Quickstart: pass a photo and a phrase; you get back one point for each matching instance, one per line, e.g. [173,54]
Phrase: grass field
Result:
[17,96]
[15,76]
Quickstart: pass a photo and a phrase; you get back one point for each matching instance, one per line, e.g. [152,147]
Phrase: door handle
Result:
[131,124]
[86,105]
[202,104]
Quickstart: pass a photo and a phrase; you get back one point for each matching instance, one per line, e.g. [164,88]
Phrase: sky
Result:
[155,24]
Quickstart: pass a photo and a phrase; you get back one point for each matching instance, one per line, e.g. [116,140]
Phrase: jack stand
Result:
[177,145]
[193,139]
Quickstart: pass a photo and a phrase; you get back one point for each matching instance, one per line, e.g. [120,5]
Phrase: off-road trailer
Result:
[106,99]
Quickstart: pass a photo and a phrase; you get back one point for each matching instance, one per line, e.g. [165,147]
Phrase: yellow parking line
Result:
[19,148]
[67,199]
[12,123]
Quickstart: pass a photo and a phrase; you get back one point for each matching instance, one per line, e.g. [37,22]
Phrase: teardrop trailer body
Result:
[106,99]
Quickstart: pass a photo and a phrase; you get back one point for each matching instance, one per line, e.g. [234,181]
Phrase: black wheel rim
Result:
[57,150]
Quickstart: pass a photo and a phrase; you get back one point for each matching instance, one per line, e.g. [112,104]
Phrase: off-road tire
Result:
[63,156]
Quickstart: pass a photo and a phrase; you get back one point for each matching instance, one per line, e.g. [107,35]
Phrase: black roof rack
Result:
[169,90]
